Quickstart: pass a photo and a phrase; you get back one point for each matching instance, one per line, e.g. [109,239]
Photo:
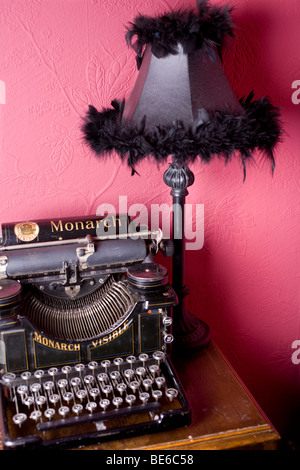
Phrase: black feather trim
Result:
[206,29]
[258,127]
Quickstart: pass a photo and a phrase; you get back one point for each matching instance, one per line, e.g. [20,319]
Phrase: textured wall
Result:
[59,55]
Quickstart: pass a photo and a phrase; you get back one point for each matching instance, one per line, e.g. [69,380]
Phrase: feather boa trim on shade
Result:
[223,135]
[206,29]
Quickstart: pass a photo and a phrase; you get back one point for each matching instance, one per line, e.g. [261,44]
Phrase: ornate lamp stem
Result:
[190,333]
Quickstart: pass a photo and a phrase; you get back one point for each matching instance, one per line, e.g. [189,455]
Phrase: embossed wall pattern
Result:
[57,57]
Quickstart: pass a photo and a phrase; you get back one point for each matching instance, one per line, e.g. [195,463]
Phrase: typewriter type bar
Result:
[85,332]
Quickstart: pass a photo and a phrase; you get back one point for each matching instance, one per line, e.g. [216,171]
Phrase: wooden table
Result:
[224,415]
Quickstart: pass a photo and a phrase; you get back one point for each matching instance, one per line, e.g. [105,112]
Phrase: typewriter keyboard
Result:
[113,394]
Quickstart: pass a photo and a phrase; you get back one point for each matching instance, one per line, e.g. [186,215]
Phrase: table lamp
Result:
[182,107]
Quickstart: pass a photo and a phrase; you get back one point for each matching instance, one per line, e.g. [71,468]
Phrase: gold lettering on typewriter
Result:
[111,336]
[53,344]
[60,226]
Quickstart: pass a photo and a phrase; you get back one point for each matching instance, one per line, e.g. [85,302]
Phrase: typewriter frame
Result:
[27,348]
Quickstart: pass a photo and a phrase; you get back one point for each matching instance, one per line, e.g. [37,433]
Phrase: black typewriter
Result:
[85,328]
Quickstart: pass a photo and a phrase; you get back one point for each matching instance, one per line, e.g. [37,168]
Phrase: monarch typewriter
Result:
[85,329]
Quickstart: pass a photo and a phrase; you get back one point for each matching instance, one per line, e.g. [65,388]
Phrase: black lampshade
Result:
[182,87]
[182,104]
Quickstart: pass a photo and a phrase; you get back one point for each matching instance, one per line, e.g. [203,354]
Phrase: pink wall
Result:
[59,55]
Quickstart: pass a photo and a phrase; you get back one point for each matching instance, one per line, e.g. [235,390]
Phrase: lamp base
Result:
[191,334]
[194,340]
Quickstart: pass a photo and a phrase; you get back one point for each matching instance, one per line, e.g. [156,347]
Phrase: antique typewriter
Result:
[85,329]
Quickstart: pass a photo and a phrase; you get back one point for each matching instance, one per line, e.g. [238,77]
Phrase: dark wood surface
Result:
[224,415]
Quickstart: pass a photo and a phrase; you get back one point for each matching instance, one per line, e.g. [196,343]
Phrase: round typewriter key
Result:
[115,375]
[22,390]
[66,370]
[102,377]
[39,374]
[19,418]
[62,383]
[117,401]
[28,401]
[49,385]
[54,398]
[75,381]
[26,375]
[158,356]
[49,413]
[91,406]
[140,371]
[129,373]
[89,379]
[8,379]
[40,400]
[77,409]
[53,371]
[105,364]
[154,369]
[121,387]
[35,388]
[144,397]
[118,361]
[147,383]
[134,385]
[94,392]
[160,381]
[171,393]
[104,403]
[157,394]
[143,357]
[81,394]
[107,389]
[68,396]
[36,415]
[130,399]
[79,368]
[63,411]
[92,365]
[131,360]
